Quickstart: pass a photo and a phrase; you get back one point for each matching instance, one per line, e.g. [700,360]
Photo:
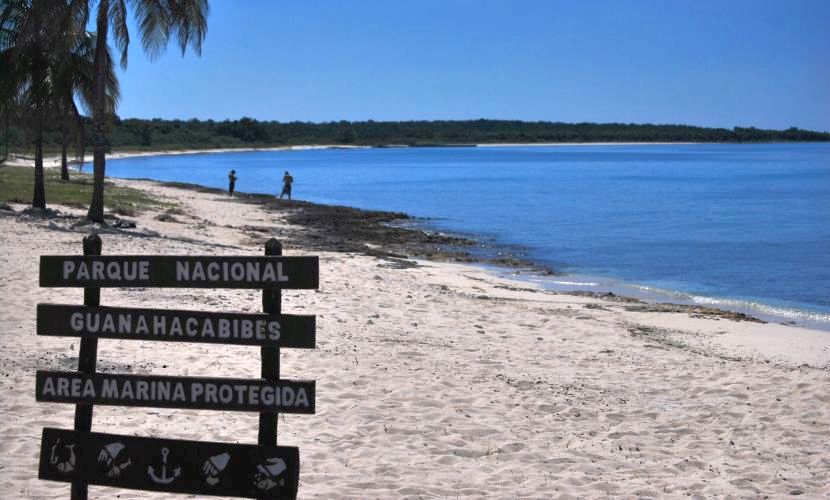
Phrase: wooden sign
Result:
[227,394]
[179,271]
[205,468]
[283,330]
[83,457]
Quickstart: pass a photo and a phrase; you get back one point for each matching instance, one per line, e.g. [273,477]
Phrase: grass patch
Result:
[165,217]
[17,186]
[125,211]
[175,211]
[169,214]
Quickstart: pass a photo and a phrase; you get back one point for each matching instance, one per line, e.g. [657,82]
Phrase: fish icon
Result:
[267,474]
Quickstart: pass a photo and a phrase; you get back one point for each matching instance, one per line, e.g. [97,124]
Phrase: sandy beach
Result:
[437,379]
[54,161]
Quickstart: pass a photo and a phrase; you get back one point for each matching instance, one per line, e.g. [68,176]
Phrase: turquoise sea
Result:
[737,226]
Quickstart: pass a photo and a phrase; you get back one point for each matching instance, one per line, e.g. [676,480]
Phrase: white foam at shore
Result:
[762,310]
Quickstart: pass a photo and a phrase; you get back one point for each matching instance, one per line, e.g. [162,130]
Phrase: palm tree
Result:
[158,22]
[50,51]
[10,19]
[28,35]
[8,96]
[73,75]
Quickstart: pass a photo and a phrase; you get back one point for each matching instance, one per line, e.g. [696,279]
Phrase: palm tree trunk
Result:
[6,134]
[39,103]
[96,206]
[39,198]
[81,157]
[80,152]
[80,136]
[64,138]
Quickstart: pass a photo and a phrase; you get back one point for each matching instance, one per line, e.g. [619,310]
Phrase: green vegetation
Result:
[16,187]
[157,134]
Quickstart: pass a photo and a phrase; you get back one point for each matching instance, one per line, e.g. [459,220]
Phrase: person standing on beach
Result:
[287,180]
[231,182]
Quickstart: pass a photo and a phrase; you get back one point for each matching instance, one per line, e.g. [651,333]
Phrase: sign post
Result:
[270,356]
[87,360]
[82,457]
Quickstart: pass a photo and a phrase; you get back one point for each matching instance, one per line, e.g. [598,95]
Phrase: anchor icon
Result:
[164,478]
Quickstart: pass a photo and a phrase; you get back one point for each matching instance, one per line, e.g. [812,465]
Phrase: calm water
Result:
[741,226]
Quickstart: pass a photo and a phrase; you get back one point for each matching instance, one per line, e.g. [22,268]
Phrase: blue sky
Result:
[703,62]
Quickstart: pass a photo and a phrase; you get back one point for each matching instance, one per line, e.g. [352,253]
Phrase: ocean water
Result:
[743,227]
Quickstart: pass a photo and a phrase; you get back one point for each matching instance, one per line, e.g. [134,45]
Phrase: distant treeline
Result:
[156,134]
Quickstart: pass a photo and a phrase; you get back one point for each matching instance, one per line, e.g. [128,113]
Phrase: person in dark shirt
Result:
[287,180]
[231,182]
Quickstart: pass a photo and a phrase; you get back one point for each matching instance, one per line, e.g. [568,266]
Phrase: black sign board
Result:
[284,330]
[167,465]
[227,394]
[179,271]
[82,457]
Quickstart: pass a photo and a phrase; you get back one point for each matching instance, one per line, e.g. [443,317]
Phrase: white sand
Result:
[442,380]
[53,161]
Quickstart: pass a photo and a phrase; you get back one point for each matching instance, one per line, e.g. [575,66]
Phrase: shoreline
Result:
[52,161]
[657,297]
[388,234]
[556,144]
[385,234]
[380,235]
[387,237]
[433,377]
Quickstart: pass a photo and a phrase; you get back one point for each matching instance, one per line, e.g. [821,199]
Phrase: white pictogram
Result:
[213,466]
[63,457]
[267,474]
[163,478]
[107,457]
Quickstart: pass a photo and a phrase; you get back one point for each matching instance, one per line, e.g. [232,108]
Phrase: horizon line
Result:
[430,120]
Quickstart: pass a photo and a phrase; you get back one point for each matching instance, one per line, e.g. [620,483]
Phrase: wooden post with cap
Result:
[87,360]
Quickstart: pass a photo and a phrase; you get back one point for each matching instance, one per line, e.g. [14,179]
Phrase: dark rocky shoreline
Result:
[394,235]
[391,236]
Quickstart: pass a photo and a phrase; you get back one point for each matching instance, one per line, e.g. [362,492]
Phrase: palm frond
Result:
[12,16]
[154,25]
[189,21]
[120,32]
[160,20]
[83,82]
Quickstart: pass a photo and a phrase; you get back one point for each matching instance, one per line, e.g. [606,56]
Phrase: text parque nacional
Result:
[186,271]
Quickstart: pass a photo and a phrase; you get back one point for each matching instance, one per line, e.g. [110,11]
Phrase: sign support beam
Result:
[270,356]
[87,361]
